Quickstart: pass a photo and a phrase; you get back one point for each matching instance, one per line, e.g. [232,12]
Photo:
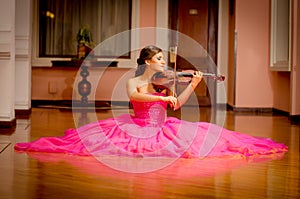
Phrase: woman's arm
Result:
[186,93]
[134,95]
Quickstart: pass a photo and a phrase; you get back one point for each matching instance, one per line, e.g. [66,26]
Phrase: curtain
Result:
[60,21]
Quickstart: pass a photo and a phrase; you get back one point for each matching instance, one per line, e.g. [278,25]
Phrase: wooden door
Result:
[196,20]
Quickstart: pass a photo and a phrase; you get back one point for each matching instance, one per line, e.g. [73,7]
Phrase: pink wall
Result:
[147,13]
[255,83]
[57,83]
[253,80]
[281,88]
[147,19]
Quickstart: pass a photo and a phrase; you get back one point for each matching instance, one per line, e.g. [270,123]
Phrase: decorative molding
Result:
[5,116]
[22,57]
[22,45]
[22,105]
[6,121]
[5,27]
[5,56]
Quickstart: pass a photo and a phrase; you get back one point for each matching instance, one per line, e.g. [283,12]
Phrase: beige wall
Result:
[7,61]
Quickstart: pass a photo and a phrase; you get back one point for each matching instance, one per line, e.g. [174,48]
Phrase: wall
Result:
[255,85]
[23,55]
[281,90]
[295,74]
[7,62]
[230,79]
[57,83]
[222,50]
[147,19]
[253,77]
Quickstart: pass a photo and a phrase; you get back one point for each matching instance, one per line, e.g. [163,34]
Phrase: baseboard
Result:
[280,112]
[249,110]
[70,103]
[22,113]
[295,119]
[220,106]
[8,124]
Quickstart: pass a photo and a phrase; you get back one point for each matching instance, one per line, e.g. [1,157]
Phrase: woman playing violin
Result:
[149,132]
[150,62]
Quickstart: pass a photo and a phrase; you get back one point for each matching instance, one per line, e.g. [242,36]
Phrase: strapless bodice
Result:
[150,112]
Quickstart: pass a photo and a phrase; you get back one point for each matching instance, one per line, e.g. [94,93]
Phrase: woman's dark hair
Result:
[146,53]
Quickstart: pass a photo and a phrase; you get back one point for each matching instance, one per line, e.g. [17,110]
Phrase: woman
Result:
[149,132]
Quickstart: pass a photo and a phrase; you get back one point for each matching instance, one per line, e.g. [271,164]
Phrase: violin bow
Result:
[175,68]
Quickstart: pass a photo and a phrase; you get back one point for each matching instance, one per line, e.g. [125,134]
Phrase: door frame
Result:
[212,42]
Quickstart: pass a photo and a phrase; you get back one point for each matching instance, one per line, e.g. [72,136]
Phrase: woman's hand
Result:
[197,77]
[172,101]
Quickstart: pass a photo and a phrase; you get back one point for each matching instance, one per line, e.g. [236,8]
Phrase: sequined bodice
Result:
[151,112]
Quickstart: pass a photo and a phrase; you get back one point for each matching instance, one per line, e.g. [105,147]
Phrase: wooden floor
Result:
[39,175]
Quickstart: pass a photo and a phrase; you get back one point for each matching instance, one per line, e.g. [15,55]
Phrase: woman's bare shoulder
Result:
[133,81]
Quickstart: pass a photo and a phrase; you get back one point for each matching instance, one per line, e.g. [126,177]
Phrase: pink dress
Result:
[150,133]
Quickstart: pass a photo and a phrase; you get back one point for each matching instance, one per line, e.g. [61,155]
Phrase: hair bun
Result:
[140,61]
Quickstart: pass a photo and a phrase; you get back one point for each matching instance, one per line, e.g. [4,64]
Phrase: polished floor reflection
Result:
[44,175]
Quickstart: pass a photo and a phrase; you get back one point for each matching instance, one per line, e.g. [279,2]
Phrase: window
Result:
[60,20]
[280,45]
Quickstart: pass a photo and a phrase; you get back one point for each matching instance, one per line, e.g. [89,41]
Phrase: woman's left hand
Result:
[197,77]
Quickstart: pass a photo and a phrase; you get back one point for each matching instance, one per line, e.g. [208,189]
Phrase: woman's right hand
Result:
[172,101]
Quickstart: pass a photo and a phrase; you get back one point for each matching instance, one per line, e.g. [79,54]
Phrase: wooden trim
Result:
[280,112]
[70,103]
[8,124]
[250,110]
[22,113]
[78,63]
[295,119]
[5,55]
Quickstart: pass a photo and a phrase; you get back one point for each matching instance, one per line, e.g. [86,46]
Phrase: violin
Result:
[163,80]
[189,73]
[209,75]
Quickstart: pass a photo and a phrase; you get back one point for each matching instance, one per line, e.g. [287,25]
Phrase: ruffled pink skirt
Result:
[126,135]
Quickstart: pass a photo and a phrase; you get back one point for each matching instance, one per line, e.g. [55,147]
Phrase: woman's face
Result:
[157,62]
